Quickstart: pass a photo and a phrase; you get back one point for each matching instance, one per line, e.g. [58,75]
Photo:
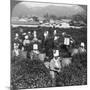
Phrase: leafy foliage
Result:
[31,74]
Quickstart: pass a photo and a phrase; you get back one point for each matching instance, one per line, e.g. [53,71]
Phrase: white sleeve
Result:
[24,42]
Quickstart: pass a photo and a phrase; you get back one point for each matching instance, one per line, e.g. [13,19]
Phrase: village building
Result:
[65,25]
[14,19]
[23,20]
[51,21]
[41,19]
[30,19]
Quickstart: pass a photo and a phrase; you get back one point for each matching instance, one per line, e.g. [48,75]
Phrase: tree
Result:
[46,15]
[53,17]
[80,17]
[35,18]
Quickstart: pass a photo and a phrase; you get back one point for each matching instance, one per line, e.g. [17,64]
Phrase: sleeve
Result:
[24,42]
[52,65]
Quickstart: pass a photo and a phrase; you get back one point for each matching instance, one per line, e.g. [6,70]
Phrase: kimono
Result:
[26,41]
[16,52]
[55,64]
[26,44]
[34,55]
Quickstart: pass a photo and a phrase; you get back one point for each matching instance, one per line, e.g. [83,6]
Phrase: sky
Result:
[33,4]
[22,5]
[36,4]
[84,2]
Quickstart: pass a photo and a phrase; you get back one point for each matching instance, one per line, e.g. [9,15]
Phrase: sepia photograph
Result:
[48,44]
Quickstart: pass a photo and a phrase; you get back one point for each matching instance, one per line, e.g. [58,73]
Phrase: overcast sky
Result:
[22,7]
[84,2]
[36,4]
[33,4]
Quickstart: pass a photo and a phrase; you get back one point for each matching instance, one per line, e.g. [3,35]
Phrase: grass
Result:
[33,74]
[30,74]
[75,74]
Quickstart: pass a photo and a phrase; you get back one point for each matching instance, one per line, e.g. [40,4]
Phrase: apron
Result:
[16,52]
[34,55]
[42,56]
[55,64]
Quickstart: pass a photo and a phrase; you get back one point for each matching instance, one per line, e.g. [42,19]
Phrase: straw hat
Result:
[26,37]
[29,32]
[56,53]
[82,44]
[55,32]
[45,34]
[35,46]
[64,33]
[24,34]
[56,37]
[17,35]
[35,34]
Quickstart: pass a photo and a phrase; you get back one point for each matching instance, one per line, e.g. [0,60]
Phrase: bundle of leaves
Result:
[30,74]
